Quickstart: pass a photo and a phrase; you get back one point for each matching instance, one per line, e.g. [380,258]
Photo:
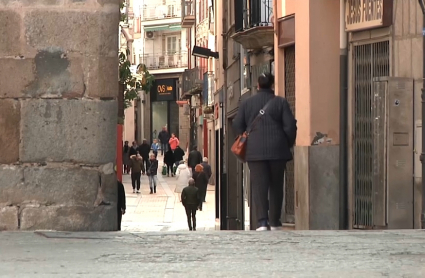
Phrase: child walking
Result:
[154,147]
[152,172]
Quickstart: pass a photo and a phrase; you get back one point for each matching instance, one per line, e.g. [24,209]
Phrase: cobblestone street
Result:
[213,254]
[162,211]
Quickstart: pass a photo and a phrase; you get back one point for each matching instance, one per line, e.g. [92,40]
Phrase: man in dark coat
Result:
[207,167]
[169,161]
[164,137]
[178,156]
[121,207]
[190,201]
[144,150]
[268,149]
[195,158]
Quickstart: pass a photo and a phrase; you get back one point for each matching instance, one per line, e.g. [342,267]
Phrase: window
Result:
[171,45]
[171,12]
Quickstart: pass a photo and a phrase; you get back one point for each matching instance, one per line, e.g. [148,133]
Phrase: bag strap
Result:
[259,115]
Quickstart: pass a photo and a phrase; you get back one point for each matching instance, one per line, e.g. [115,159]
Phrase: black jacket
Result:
[164,137]
[190,196]
[169,158]
[276,131]
[207,169]
[121,197]
[178,154]
[144,150]
[195,158]
[133,151]
[152,169]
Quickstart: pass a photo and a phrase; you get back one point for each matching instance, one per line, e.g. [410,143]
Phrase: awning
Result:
[163,28]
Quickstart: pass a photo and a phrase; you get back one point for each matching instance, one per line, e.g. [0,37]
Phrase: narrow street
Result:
[213,254]
[162,211]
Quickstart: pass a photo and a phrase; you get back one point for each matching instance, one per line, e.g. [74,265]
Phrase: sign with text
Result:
[165,89]
[367,14]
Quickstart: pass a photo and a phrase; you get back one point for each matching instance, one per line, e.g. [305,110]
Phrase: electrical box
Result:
[393,152]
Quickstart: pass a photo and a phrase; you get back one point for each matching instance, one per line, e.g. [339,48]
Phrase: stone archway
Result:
[58,114]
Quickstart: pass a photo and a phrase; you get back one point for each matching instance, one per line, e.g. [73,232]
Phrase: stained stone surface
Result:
[214,254]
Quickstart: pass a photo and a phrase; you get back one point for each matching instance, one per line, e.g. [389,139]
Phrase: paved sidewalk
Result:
[162,211]
[213,254]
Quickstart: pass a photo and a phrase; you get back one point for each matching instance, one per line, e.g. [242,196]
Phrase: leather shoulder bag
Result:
[240,144]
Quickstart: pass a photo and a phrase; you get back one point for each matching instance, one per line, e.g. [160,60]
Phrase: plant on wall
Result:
[132,83]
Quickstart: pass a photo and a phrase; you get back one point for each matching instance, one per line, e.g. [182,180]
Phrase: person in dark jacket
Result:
[164,138]
[144,150]
[126,158]
[121,207]
[268,149]
[152,172]
[201,182]
[134,149]
[190,200]
[137,168]
[178,156]
[207,167]
[195,158]
[169,161]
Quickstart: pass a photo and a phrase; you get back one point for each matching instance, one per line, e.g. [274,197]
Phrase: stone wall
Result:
[58,114]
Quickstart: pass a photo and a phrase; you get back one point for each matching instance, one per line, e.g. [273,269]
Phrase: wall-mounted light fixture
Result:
[203,52]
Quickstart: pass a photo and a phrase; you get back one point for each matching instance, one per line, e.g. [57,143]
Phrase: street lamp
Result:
[422,157]
[203,52]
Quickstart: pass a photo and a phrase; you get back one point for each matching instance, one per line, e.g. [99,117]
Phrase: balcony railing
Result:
[165,60]
[193,81]
[152,11]
[188,13]
[254,27]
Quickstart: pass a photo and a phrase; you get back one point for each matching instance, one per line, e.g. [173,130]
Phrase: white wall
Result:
[129,124]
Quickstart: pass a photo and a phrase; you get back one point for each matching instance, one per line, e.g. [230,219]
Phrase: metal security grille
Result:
[369,61]
[289,216]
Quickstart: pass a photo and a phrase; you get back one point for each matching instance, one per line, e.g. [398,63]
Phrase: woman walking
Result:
[272,131]
[152,172]
[169,161]
[183,176]
[201,182]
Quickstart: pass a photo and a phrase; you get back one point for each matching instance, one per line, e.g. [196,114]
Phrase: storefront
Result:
[164,110]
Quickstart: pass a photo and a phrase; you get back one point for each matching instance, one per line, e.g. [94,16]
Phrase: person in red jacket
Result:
[174,142]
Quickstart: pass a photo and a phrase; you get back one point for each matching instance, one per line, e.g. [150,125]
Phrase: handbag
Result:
[239,146]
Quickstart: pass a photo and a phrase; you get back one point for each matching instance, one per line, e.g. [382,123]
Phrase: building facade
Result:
[352,71]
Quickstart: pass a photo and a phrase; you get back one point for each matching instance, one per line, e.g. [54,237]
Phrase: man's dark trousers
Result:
[267,175]
[191,215]
[135,179]
[164,148]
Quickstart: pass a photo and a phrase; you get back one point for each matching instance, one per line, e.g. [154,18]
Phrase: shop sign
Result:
[367,14]
[165,89]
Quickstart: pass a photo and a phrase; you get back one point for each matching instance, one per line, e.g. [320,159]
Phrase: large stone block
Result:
[89,32]
[10,30]
[10,116]
[81,131]
[53,186]
[9,218]
[102,218]
[32,2]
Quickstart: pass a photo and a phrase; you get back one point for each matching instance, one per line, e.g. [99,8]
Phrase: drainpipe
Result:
[343,121]
[422,157]
[223,184]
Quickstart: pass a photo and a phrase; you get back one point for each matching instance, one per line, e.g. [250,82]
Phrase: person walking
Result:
[126,158]
[144,150]
[183,175]
[134,148]
[268,149]
[190,201]
[195,158]
[152,172]
[164,138]
[201,182]
[137,168]
[154,147]
[169,161]
[207,167]
[173,142]
[121,207]
[178,156]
